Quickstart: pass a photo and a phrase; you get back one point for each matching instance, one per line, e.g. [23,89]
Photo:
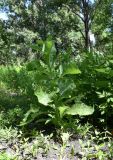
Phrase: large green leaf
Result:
[71,69]
[102,70]
[50,52]
[43,97]
[48,46]
[34,111]
[111,61]
[62,110]
[80,109]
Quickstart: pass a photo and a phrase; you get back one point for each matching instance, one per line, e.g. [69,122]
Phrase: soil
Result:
[14,148]
[46,151]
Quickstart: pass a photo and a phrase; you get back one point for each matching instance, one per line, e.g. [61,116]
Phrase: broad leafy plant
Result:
[54,87]
[95,83]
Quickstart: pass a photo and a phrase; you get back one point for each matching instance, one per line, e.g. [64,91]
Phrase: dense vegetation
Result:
[56,71]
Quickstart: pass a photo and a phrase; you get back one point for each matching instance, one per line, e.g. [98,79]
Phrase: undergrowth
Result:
[58,91]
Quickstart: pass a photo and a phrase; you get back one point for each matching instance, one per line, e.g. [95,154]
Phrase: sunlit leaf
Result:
[43,97]
[111,61]
[62,110]
[80,109]
[71,69]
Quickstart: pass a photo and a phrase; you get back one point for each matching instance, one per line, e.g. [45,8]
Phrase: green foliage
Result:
[80,109]
[71,69]
[54,89]
[97,150]
[8,133]
[59,90]
[5,156]
[43,98]
[52,81]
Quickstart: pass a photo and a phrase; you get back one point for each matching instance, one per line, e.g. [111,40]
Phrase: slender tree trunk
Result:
[86,34]
[85,11]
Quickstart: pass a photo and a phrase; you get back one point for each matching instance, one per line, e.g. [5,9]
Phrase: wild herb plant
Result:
[5,156]
[97,146]
[60,89]
[55,89]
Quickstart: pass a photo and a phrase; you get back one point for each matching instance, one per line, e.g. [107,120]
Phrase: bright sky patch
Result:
[3,16]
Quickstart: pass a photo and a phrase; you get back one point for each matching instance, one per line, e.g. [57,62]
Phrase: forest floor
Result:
[45,148]
[54,151]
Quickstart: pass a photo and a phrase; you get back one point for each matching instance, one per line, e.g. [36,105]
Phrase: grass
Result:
[14,106]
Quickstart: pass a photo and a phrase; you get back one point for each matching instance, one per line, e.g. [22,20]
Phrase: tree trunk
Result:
[85,11]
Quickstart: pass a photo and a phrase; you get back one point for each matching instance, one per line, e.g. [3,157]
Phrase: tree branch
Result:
[75,12]
[82,34]
[79,16]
